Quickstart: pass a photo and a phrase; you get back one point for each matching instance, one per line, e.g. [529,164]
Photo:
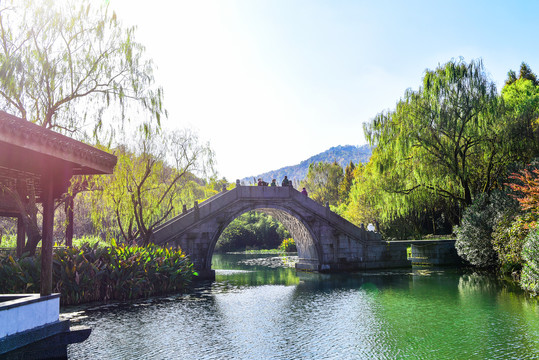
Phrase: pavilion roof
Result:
[17,135]
[27,151]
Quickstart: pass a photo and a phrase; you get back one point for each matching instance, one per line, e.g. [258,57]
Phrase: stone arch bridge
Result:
[326,242]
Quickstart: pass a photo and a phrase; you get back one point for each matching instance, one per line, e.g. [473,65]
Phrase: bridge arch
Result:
[326,241]
[306,239]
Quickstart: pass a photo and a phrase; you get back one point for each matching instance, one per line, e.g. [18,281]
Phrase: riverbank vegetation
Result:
[73,68]
[453,157]
[101,273]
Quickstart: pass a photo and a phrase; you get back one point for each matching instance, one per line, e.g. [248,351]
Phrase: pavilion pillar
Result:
[47,232]
[69,216]
[21,235]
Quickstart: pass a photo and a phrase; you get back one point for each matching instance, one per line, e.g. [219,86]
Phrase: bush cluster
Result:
[530,273]
[508,239]
[92,273]
[474,235]
[288,245]
[501,229]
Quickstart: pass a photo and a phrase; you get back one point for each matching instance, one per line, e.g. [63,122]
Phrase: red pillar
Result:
[47,238]
[21,235]
[69,217]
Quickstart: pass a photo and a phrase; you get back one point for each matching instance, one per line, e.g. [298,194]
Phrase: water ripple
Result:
[383,315]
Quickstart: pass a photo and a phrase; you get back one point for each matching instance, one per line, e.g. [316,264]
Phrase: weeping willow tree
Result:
[68,65]
[442,145]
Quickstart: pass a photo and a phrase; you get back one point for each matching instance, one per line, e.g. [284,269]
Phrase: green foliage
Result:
[525,73]
[416,226]
[323,182]
[521,111]
[93,273]
[474,235]
[511,77]
[529,279]
[510,233]
[365,205]
[215,186]
[360,207]
[509,237]
[66,64]
[150,184]
[288,245]
[347,181]
[8,240]
[236,237]
[90,241]
[19,275]
[446,143]
[252,230]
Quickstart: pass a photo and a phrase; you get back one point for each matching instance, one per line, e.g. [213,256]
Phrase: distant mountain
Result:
[342,154]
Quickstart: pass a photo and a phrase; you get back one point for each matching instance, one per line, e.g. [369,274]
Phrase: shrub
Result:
[288,245]
[513,230]
[527,183]
[19,275]
[508,238]
[474,235]
[93,273]
[529,279]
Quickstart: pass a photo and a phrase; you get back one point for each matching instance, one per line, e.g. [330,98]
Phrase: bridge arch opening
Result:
[306,243]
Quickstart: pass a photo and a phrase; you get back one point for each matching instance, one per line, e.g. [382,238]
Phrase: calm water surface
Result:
[259,312]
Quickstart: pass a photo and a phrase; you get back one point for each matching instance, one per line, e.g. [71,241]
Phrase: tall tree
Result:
[149,183]
[525,73]
[347,181]
[359,208]
[323,181]
[521,111]
[437,138]
[63,64]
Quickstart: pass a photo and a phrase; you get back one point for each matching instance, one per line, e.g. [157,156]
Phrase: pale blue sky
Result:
[271,83]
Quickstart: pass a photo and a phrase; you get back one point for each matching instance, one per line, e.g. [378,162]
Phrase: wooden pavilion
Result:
[41,162]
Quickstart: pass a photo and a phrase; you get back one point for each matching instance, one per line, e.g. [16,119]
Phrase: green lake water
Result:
[255,310]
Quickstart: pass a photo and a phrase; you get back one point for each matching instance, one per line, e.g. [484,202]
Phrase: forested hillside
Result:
[342,154]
